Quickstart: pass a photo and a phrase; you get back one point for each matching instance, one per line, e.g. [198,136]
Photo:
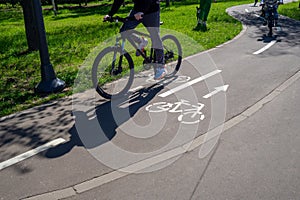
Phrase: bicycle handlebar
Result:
[119,19]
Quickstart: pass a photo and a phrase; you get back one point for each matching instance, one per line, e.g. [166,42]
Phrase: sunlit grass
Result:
[291,10]
[76,33]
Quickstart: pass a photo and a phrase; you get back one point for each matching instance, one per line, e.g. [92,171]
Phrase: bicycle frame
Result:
[128,37]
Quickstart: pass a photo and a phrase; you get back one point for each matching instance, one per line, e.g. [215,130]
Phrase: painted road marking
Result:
[265,47]
[192,82]
[136,89]
[217,90]
[192,112]
[256,15]
[31,153]
[190,146]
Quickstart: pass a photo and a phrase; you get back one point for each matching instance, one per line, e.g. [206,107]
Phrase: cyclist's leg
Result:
[276,15]
[129,25]
[152,23]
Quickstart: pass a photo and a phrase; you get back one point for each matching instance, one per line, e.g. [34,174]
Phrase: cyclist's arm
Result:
[115,7]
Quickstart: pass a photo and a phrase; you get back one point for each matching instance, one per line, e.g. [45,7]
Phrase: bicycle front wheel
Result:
[172,54]
[112,72]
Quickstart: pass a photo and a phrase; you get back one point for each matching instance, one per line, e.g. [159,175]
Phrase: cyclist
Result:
[146,12]
[265,14]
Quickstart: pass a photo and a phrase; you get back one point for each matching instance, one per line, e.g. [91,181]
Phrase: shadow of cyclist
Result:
[110,115]
[94,130]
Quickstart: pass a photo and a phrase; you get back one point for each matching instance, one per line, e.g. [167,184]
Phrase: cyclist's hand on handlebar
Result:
[107,18]
[139,15]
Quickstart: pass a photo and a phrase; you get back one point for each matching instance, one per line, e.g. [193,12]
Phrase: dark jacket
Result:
[145,6]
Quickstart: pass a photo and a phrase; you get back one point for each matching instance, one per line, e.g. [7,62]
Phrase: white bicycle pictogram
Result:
[179,79]
[190,115]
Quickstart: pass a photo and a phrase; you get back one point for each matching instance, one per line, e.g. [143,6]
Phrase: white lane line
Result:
[187,84]
[30,153]
[256,15]
[265,47]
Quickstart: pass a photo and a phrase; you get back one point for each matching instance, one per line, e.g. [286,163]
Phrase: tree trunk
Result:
[30,27]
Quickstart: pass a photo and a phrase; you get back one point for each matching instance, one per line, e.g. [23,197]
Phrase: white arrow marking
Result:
[187,84]
[217,90]
[30,153]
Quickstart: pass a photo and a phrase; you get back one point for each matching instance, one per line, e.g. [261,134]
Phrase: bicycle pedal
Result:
[117,71]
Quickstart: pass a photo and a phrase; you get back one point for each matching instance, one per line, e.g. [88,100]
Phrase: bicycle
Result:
[113,68]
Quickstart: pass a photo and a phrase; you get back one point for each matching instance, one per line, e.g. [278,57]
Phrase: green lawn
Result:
[291,10]
[76,31]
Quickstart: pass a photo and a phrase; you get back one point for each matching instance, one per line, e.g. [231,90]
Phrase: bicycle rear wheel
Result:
[172,54]
[112,72]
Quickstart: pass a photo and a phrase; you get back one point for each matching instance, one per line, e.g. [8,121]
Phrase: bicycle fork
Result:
[115,70]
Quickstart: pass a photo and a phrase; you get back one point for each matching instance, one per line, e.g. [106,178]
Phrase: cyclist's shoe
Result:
[142,46]
[160,72]
[276,23]
[265,22]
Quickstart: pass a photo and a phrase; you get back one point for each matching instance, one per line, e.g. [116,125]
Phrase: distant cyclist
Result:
[265,14]
[146,12]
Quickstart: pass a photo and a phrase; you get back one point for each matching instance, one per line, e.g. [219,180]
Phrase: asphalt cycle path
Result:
[164,142]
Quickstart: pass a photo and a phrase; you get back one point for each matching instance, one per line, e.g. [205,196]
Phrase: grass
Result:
[291,10]
[77,31]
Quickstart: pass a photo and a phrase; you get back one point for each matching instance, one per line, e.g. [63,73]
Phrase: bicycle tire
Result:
[108,82]
[172,54]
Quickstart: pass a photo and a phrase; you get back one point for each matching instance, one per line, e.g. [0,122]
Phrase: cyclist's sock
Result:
[142,45]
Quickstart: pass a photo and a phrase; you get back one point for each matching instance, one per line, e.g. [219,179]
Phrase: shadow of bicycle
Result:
[99,124]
